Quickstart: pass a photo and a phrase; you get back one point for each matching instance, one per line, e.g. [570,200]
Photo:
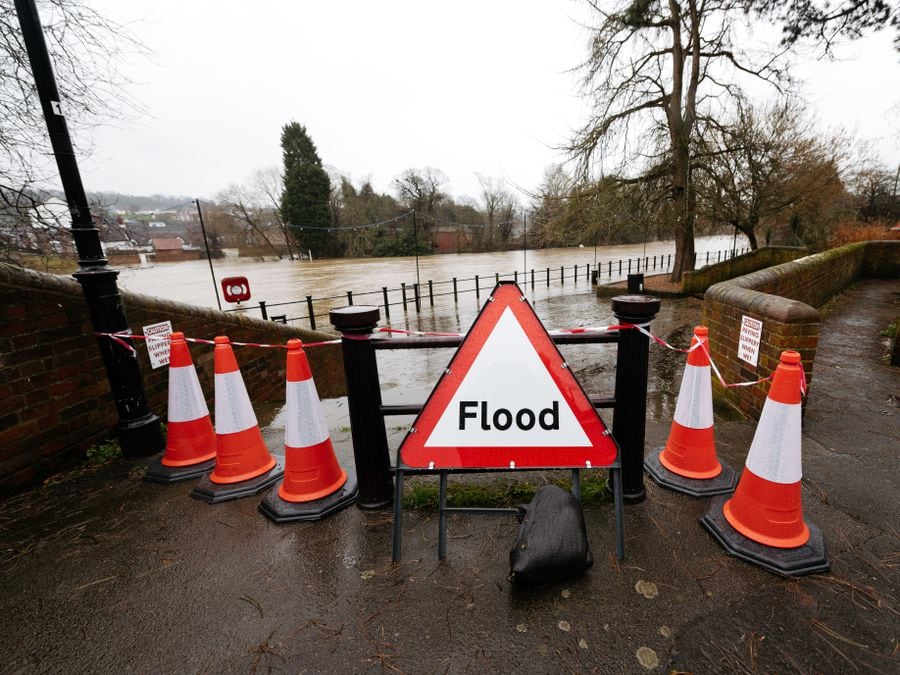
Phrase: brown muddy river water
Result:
[408,376]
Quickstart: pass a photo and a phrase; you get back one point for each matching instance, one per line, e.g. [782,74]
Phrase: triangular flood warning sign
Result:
[508,400]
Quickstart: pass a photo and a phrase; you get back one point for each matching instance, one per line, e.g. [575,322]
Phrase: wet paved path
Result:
[105,573]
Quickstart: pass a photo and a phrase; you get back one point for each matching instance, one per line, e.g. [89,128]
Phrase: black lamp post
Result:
[140,433]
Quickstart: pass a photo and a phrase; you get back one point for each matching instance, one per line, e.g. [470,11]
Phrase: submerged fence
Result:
[414,295]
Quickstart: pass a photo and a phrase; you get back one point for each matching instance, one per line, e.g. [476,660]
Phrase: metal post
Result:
[532,279]
[138,429]
[416,295]
[455,293]
[430,293]
[311,312]
[630,412]
[370,448]
[548,277]
[387,305]
[262,310]
[629,266]
[609,269]
[416,245]
[497,277]
[620,266]
[212,272]
[350,298]
[477,288]
[403,292]
[515,276]
[524,243]
[562,275]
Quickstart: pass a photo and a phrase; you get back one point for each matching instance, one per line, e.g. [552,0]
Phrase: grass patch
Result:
[424,496]
[890,331]
[103,453]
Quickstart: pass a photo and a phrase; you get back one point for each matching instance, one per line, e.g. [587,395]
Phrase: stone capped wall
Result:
[55,400]
[784,298]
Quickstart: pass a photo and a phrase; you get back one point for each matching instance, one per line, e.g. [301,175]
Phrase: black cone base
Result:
[722,484]
[157,472]
[788,562]
[277,509]
[213,493]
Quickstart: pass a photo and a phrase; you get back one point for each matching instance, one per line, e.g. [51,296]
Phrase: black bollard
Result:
[630,412]
[636,283]
[370,447]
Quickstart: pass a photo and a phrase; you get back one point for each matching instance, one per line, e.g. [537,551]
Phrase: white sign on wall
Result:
[748,343]
[157,349]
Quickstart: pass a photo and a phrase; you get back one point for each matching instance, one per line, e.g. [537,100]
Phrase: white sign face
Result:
[508,399]
[748,343]
[158,349]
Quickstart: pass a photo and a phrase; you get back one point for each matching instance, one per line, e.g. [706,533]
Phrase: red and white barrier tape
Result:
[118,338]
[642,328]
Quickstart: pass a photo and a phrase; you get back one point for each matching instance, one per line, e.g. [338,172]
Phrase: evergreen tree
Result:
[304,201]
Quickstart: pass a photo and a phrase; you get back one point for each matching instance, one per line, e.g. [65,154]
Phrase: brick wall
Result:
[697,281]
[54,395]
[784,298]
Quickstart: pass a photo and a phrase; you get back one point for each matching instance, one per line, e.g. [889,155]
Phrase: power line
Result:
[351,227]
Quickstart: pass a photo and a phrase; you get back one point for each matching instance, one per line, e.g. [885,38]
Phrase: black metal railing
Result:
[411,296]
[357,325]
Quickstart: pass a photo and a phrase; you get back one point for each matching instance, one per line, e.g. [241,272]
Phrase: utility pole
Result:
[139,430]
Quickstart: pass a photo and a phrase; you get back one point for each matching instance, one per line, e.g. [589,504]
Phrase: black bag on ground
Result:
[552,543]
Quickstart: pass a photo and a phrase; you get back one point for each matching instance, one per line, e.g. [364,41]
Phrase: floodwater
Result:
[408,376]
[284,284]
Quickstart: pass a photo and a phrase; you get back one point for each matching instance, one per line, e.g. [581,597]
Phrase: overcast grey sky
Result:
[466,86]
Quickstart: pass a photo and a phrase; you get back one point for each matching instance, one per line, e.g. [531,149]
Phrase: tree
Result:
[549,207]
[824,23]
[500,206]
[85,49]
[268,186]
[766,165]
[250,205]
[875,189]
[658,69]
[307,188]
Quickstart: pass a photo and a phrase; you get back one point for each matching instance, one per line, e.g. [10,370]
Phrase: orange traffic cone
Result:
[190,439]
[243,464]
[314,484]
[688,462]
[763,522]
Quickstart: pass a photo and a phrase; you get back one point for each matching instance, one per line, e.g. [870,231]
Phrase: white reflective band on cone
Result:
[305,424]
[186,402]
[694,407]
[233,409]
[775,452]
